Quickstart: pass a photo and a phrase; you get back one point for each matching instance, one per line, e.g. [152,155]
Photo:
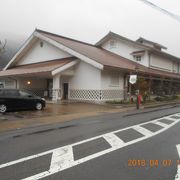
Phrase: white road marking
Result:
[170,119]
[178,149]
[63,157]
[113,140]
[160,124]
[143,131]
[177,177]
[178,115]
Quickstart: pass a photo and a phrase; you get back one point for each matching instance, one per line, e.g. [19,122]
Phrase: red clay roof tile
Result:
[41,67]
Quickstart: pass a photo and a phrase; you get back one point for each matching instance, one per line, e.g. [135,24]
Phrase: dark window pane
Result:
[11,93]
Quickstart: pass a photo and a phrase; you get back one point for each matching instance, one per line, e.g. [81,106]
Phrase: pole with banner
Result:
[133,80]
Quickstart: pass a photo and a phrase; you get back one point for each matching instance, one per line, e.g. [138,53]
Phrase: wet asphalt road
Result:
[116,165]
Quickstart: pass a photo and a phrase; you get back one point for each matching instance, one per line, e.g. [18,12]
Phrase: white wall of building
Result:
[161,63]
[91,84]
[125,49]
[85,77]
[106,82]
[45,53]
[175,67]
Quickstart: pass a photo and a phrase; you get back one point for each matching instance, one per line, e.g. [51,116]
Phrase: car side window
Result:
[1,92]
[24,94]
[11,93]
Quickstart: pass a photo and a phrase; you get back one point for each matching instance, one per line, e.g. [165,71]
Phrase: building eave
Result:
[117,36]
[37,35]
[65,67]
[20,51]
[151,42]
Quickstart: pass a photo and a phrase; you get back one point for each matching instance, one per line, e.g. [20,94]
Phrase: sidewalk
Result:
[54,113]
[150,105]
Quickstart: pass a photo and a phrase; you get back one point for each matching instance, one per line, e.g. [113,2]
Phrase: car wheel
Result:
[3,108]
[39,106]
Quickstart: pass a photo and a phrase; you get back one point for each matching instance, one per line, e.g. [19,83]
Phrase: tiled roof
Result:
[158,73]
[42,67]
[97,54]
[136,43]
[102,56]
[105,57]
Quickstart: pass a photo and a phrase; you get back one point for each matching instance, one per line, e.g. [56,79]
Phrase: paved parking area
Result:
[53,113]
[55,109]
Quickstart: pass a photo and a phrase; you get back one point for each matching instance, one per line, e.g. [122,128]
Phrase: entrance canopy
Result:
[47,68]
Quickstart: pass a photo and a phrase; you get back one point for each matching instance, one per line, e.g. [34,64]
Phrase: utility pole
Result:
[164,11]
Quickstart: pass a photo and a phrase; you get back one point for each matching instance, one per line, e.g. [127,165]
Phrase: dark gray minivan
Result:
[15,99]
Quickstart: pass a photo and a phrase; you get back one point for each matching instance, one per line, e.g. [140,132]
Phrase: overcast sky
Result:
[90,20]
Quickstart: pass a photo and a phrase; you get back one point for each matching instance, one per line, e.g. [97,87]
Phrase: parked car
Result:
[14,99]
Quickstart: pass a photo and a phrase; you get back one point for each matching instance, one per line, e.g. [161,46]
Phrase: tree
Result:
[2,46]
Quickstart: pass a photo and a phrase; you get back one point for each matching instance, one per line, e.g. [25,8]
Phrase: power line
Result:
[164,11]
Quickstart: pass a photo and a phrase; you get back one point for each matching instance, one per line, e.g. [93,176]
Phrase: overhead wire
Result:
[164,11]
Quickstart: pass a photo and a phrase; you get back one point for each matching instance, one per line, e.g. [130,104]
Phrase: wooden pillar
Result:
[126,81]
[150,84]
[56,87]
[171,85]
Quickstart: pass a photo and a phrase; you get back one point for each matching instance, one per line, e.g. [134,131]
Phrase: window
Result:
[114,81]
[9,84]
[41,44]
[1,85]
[175,67]
[25,94]
[1,92]
[11,93]
[137,58]
[113,44]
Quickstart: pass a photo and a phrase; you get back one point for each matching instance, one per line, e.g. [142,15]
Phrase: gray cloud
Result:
[89,20]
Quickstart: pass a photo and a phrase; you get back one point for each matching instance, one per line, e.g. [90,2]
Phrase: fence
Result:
[96,95]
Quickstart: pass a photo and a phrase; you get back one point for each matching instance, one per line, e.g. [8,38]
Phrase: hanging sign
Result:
[133,79]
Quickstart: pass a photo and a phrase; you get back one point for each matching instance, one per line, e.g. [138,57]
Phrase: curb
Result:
[146,106]
[160,105]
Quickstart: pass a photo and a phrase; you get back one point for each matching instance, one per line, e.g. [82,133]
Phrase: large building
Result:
[58,67]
